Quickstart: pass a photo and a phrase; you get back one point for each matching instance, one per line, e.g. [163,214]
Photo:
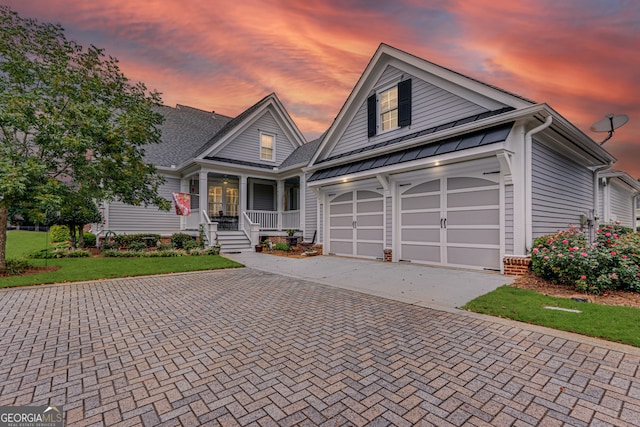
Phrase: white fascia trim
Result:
[435,161]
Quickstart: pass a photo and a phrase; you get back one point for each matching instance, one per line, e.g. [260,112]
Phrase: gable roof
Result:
[184,131]
[384,56]
[224,135]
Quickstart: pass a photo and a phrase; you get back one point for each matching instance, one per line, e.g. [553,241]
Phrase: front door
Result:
[356,224]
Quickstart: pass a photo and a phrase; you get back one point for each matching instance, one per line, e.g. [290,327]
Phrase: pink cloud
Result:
[577,55]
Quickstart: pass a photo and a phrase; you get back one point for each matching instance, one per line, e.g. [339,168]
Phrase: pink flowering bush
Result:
[611,262]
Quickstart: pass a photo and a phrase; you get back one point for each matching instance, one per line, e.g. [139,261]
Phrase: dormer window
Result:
[389,108]
[267,147]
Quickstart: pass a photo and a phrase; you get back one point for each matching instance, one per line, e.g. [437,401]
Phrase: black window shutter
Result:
[371,115]
[404,103]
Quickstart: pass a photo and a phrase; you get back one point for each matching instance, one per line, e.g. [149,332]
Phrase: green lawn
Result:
[613,323]
[20,243]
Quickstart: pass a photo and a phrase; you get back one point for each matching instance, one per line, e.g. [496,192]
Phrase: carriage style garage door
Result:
[451,221]
[356,224]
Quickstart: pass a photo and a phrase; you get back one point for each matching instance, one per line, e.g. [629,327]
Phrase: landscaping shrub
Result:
[281,246]
[89,239]
[214,250]
[16,266]
[59,253]
[611,262]
[139,254]
[178,240]
[126,240]
[59,233]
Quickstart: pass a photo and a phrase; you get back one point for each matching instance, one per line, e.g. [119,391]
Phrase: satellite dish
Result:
[610,123]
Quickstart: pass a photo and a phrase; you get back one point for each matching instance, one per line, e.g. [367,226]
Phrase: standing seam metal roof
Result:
[470,140]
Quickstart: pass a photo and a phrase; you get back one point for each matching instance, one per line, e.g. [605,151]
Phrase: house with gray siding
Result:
[422,164]
[244,177]
[426,165]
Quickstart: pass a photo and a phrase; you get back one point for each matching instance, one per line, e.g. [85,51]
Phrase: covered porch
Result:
[237,202]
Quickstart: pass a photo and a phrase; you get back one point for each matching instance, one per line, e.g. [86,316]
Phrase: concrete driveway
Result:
[411,283]
[252,348]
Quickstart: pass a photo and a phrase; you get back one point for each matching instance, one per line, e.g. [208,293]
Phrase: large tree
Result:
[69,121]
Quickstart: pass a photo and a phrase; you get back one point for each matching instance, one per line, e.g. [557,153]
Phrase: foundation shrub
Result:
[611,262]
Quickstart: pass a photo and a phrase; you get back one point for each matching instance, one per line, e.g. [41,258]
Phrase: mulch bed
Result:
[34,270]
[621,298]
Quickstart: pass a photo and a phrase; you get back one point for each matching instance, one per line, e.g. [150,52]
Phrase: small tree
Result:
[77,211]
[69,115]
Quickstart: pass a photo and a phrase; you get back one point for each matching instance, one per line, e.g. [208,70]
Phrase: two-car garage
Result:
[436,218]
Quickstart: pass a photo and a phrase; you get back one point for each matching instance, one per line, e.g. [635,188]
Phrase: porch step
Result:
[233,241]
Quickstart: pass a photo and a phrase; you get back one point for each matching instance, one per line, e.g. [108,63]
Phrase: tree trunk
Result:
[72,235]
[4,216]
[81,236]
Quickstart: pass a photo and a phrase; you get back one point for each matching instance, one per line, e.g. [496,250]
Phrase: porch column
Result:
[280,202]
[204,194]
[242,195]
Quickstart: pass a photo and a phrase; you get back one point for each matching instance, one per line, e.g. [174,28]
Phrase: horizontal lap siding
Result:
[431,106]
[139,219]
[561,191]
[246,146]
[621,204]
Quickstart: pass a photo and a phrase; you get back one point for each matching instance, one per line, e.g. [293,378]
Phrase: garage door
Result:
[356,224]
[451,221]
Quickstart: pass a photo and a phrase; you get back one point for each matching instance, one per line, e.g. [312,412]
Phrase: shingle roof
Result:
[473,139]
[302,154]
[230,125]
[184,131]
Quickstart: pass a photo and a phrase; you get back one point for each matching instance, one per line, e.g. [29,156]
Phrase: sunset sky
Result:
[582,57]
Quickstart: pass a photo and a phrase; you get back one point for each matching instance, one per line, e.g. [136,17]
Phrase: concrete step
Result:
[233,241]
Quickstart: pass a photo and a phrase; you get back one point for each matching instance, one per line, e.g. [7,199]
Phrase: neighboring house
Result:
[244,176]
[422,164]
[426,165]
[617,198]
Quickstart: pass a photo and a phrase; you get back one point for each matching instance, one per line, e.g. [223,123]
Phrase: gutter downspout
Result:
[528,214]
[596,196]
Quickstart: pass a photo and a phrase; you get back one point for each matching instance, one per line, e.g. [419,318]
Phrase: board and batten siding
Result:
[246,146]
[620,204]
[561,191]
[129,219]
[508,219]
[310,214]
[431,106]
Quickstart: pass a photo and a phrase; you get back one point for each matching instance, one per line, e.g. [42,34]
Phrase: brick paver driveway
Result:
[243,347]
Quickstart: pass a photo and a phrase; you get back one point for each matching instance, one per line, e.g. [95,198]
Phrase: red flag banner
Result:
[183,203]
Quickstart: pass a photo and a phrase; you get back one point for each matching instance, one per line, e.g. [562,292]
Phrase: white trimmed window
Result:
[267,147]
[389,109]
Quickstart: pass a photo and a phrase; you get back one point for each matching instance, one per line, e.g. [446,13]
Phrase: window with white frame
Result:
[389,109]
[267,147]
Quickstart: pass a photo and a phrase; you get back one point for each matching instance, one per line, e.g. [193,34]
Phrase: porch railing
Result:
[251,229]
[290,220]
[268,220]
[274,220]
